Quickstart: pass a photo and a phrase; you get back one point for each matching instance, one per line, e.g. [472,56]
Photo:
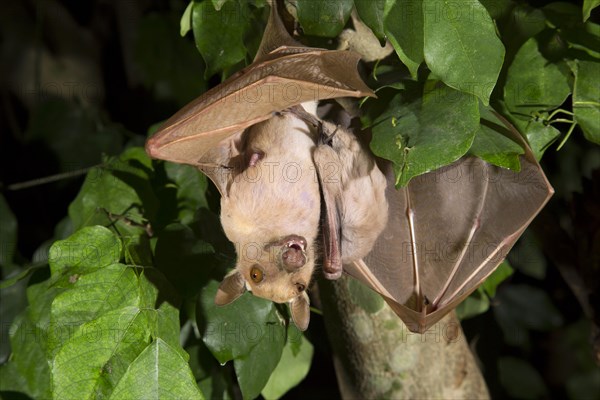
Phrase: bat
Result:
[271,213]
[289,180]
[260,159]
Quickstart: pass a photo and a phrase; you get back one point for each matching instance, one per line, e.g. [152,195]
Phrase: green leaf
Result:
[27,369]
[249,331]
[112,196]
[496,149]
[522,308]
[490,285]
[574,39]
[582,42]
[588,6]
[366,298]
[20,276]
[404,28]
[218,4]
[534,84]
[13,298]
[219,34]
[393,102]
[477,303]
[291,369]
[158,296]
[323,18]
[426,133]
[497,8]
[254,370]
[218,385]
[185,25]
[91,361]
[371,13]
[492,144]
[586,99]
[136,161]
[539,135]
[191,187]
[201,361]
[561,14]
[85,251]
[185,259]
[103,192]
[158,372]
[90,325]
[533,307]
[522,22]
[461,46]
[527,256]
[91,294]
[232,331]
[294,339]
[520,379]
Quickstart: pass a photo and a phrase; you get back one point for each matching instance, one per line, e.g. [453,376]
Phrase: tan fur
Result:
[350,173]
[277,197]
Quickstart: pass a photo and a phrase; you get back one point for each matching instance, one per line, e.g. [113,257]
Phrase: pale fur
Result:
[358,186]
[277,197]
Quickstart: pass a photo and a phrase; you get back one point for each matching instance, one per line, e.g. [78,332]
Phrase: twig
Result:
[49,179]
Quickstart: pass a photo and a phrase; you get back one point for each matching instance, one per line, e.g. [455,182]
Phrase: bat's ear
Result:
[300,309]
[232,287]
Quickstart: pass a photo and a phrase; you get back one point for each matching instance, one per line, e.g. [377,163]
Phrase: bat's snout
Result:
[293,252]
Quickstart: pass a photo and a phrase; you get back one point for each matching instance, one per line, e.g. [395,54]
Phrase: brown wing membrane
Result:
[204,132]
[276,35]
[447,232]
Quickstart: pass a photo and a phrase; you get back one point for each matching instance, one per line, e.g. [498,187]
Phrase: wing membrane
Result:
[448,230]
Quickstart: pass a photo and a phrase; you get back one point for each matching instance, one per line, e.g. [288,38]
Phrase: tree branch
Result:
[376,356]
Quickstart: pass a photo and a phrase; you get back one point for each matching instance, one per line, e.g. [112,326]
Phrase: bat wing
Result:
[447,232]
[206,132]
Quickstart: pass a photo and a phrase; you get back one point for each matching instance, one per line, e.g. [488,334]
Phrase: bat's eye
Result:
[256,275]
[300,287]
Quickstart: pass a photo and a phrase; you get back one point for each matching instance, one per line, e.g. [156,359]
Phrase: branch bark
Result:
[376,356]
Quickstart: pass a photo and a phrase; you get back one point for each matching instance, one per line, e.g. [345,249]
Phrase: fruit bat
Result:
[297,191]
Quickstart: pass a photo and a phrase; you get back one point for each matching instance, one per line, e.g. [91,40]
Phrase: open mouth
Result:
[293,254]
[295,242]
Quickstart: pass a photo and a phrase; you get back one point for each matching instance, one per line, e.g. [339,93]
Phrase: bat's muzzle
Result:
[293,252]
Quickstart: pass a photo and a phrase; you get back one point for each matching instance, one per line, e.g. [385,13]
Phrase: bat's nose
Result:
[293,258]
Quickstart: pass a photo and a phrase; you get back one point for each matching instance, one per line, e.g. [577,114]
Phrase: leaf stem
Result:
[568,121]
[559,110]
[566,136]
[316,310]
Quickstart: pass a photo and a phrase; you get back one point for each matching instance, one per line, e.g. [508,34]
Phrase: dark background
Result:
[85,78]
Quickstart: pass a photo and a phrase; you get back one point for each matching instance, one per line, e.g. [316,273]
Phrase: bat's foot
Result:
[299,112]
[326,135]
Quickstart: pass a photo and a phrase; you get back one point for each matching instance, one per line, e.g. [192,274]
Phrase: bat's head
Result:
[280,271]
